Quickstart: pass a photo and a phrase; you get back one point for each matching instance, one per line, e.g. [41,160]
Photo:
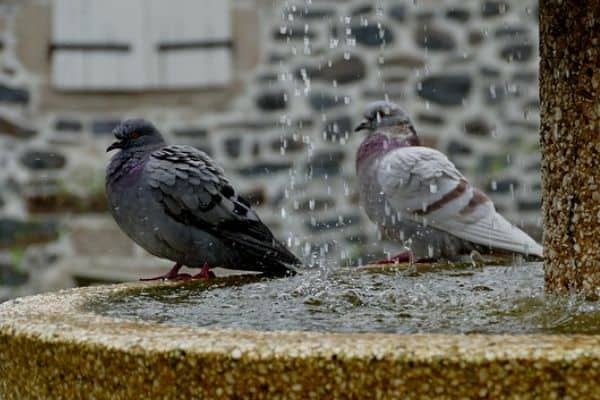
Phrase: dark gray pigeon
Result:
[418,197]
[176,203]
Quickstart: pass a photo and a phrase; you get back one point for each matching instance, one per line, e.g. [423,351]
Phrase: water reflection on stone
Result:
[507,299]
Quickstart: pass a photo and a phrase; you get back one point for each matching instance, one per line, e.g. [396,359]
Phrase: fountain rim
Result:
[58,318]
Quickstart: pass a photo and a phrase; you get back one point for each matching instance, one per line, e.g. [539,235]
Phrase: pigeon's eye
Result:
[134,135]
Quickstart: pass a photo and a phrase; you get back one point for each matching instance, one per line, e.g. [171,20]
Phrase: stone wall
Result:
[467,72]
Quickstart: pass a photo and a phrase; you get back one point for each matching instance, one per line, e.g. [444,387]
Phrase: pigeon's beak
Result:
[364,124]
[119,144]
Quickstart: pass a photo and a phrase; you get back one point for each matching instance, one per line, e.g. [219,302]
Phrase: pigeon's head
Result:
[388,115]
[135,133]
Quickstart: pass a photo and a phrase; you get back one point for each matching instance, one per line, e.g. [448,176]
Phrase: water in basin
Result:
[493,299]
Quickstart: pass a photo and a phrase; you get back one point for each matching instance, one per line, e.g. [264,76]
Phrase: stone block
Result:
[264,168]
[517,52]
[21,233]
[494,8]
[341,69]
[14,95]
[15,128]
[373,35]
[435,39]
[446,90]
[338,128]
[43,159]
[272,100]
[458,14]
[326,163]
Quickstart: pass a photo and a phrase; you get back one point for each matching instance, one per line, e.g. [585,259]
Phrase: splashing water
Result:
[489,300]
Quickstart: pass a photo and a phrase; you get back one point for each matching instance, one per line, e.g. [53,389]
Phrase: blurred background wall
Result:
[270,89]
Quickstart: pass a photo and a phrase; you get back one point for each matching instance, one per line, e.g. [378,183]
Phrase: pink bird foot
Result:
[205,273]
[398,258]
[173,274]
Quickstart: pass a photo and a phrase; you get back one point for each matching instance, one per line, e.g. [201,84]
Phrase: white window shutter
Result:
[96,44]
[192,43]
[140,44]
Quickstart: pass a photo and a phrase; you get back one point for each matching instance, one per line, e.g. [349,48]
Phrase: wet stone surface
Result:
[15,129]
[68,125]
[458,148]
[458,14]
[264,168]
[517,52]
[321,101]
[13,95]
[372,35]
[493,8]
[435,39]
[41,159]
[398,12]
[493,300]
[233,147]
[445,89]
[16,232]
[340,69]
[272,100]
[339,128]
[478,127]
[326,163]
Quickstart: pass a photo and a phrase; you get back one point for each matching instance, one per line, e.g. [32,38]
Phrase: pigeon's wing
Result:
[194,191]
[421,184]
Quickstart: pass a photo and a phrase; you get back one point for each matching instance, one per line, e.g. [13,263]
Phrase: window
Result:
[140,44]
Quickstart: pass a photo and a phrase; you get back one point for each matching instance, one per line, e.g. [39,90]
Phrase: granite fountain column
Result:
[570,140]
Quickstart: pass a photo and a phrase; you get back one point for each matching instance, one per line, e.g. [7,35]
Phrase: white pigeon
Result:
[416,195]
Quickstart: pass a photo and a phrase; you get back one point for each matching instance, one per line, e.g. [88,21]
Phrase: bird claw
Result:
[174,275]
[205,273]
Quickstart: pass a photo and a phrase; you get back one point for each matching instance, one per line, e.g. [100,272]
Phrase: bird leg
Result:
[205,273]
[171,275]
[403,257]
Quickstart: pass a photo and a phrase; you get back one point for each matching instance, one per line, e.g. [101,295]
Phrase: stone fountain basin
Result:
[53,346]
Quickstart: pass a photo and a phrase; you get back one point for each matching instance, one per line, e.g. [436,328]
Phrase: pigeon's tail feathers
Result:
[276,260]
[259,249]
[496,232]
